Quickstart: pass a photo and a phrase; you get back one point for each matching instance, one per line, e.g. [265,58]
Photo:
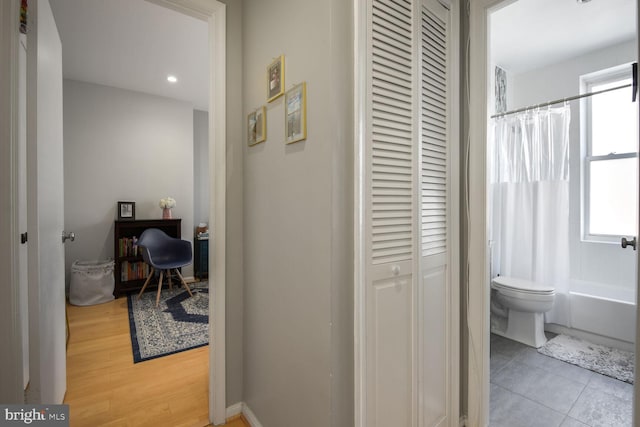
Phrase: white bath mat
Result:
[618,364]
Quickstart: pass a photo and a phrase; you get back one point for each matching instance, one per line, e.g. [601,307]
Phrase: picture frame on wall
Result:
[275,78]
[257,126]
[126,211]
[251,128]
[295,121]
[261,124]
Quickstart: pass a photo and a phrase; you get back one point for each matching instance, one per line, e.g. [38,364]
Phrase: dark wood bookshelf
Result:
[126,230]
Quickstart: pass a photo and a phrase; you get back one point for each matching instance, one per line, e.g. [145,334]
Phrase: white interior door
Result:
[410,324]
[47,356]
[438,175]
[390,216]
[410,359]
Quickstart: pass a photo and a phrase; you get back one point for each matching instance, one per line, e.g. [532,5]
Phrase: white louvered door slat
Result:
[434,288]
[391,220]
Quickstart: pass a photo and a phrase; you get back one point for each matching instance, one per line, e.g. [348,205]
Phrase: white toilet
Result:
[518,307]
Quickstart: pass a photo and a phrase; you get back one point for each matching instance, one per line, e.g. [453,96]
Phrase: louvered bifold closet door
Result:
[391,151]
[434,291]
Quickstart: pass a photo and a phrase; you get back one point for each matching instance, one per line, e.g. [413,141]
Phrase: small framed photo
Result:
[251,128]
[275,78]
[126,210]
[295,124]
[257,126]
[261,124]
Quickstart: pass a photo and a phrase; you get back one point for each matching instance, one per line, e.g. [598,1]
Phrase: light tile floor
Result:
[529,389]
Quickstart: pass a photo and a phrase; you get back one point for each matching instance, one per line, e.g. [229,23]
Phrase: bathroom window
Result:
[610,197]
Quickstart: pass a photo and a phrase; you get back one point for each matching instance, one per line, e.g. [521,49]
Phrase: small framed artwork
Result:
[126,210]
[257,126]
[261,124]
[275,78]
[295,124]
[251,128]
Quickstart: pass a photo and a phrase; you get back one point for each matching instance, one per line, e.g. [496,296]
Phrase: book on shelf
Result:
[127,246]
[133,271]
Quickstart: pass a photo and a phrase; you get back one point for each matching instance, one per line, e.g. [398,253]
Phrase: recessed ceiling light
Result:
[172,79]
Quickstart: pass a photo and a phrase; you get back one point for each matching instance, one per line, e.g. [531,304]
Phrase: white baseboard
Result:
[233,410]
[250,416]
[243,408]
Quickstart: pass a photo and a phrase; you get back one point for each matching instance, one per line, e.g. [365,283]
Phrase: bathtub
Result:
[615,310]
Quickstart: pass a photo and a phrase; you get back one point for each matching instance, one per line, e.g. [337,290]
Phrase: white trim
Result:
[241,408]
[11,381]
[478,277]
[214,12]
[250,416]
[636,389]
[478,295]
[587,81]
[454,238]
[233,410]
[360,46]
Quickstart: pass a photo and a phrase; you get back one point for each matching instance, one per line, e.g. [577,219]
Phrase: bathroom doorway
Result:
[561,195]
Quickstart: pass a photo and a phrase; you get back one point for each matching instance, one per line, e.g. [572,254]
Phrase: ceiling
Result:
[530,34]
[134,45]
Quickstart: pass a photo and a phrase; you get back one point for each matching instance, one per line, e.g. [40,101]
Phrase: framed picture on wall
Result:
[295,121]
[257,126]
[275,78]
[126,210]
[251,128]
[261,124]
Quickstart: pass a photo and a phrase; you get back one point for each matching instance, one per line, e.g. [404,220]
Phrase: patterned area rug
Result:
[608,361]
[179,322]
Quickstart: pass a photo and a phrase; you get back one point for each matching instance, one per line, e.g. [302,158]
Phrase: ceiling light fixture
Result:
[172,79]
[583,1]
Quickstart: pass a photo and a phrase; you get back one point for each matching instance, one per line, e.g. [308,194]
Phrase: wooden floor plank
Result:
[105,387]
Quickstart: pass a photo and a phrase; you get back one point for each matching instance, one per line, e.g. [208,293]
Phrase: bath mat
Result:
[179,323]
[618,364]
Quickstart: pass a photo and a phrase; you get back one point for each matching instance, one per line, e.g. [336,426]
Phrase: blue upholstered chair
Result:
[164,253]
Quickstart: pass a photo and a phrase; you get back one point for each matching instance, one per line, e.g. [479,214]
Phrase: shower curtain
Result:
[529,157]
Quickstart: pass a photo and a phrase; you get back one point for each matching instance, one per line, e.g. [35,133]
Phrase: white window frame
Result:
[586,86]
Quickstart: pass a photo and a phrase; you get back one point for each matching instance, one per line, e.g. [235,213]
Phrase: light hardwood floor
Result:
[105,387]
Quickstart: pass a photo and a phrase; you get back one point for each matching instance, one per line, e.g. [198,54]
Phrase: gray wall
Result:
[121,145]
[298,231]
[201,176]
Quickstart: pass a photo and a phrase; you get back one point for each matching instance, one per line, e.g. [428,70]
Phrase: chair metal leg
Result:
[159,288]
[146,282]
[183,282]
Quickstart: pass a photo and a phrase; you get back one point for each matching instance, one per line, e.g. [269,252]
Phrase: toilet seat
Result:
[512,284]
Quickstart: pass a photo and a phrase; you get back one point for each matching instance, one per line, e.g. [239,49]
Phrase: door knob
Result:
[626,243]
[68,236]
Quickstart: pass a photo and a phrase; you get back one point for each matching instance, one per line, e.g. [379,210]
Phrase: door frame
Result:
[361,47]
[214,13]
[478,251]
[11,383]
